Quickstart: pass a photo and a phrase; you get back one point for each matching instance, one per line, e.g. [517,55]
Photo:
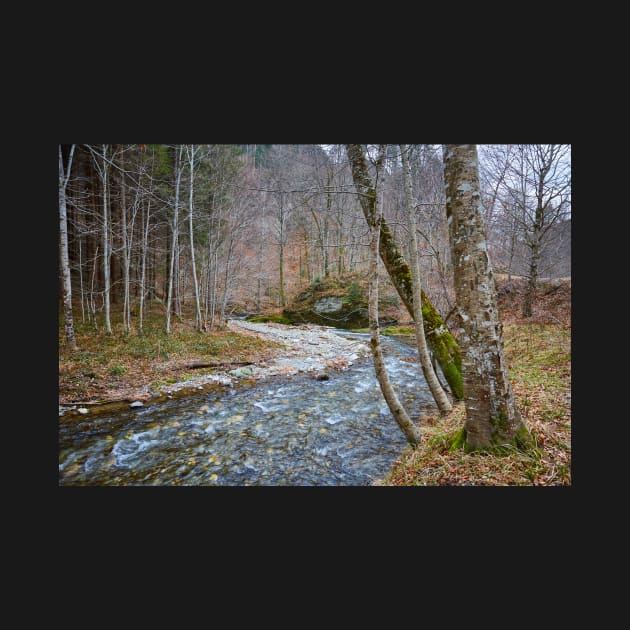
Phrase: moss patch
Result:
[274,319]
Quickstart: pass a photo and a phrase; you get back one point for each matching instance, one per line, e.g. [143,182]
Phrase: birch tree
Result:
[438,393]
[175,235]
[191,152]
[64,176]
[104,172]
[491,415]
[412,433]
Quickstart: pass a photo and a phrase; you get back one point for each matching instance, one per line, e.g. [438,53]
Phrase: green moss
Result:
[457,440]
[398,330]
[524,440]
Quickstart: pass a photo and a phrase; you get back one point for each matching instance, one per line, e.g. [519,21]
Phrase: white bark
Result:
[412,433]
[106,251]
[191,162]
[169,299]
[126,247]
[64,176]
[438,393]
[145,241]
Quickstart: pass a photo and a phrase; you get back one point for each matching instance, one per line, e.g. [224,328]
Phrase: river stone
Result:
[82,410]
[242,371]
[137,403]
[328,304]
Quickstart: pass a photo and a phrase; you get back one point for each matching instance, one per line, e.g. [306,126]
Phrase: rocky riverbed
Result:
[308,349]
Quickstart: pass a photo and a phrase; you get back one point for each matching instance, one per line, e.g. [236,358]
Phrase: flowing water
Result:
[281,431]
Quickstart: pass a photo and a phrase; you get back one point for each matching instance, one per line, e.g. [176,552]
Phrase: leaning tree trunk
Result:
[491,414]
[439,395]
[442,343]
[412,433]
[65,262]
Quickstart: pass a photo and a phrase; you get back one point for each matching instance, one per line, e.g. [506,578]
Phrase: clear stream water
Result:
[281,431]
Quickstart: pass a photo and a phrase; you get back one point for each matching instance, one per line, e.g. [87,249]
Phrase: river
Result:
[283,430]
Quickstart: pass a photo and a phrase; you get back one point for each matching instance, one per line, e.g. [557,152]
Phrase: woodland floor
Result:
[538,351]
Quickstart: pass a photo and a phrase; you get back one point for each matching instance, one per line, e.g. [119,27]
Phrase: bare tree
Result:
[104,172]
[191,151]
[175,236]
[64,176]
[491,414]
[527,200]
[412,433]
[438,393]
[552,182]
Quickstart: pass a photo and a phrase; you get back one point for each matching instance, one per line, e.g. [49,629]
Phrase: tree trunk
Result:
[126,247]
[106,242]
[412,433]
[438,393]
[283,299]
[191,157]
[442,343]
[532,281]
[65,262]
[491,415]
[143,264]
[169,299]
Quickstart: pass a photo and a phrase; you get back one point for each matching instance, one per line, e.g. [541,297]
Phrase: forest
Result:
[314,314]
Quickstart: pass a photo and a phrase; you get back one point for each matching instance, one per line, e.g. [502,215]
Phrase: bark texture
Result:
[491,414]
[440,340]
[412,433]
[439,395]
[64,176]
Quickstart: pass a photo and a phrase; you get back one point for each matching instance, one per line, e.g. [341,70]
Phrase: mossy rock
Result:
[338,302]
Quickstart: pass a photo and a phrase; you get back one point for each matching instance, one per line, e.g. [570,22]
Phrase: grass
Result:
[108,366]
[398,330]
[539,356]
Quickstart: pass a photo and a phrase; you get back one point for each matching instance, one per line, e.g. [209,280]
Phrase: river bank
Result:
[276,349]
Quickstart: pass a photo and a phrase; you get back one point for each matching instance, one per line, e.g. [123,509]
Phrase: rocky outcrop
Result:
[334,302]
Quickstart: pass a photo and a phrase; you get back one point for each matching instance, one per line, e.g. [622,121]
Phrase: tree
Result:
[412,433]
[491,414]
[64,176]
[551,182]
[174,237]
[528,201]
[442,343]
[106,238]
[191,151]
[438,393]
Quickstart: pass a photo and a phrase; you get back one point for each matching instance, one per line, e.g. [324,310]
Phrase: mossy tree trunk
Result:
[412,433]
[491,415]
[440,340]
